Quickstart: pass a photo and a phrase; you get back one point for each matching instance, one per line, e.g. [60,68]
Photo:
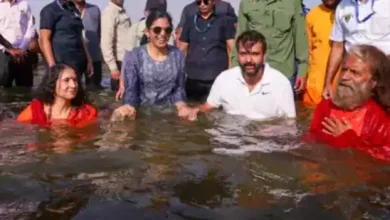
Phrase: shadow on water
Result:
[159,167]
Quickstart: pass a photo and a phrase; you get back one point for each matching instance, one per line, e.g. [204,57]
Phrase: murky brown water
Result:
[159,167]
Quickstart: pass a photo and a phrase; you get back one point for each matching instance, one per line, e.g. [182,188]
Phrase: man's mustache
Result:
[348,85]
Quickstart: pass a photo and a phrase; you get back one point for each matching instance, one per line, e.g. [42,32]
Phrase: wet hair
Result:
[379,64]
[155,15]
[250,38]
[47,88]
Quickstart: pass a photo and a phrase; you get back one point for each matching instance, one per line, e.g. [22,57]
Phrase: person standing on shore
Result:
[319,23]
[208,40]
[357,22]
[61,37]
[283,25]
[17,31]
[222,8]
[90,15]
[115,30]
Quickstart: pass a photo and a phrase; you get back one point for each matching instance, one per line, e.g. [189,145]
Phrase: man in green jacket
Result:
[283,25]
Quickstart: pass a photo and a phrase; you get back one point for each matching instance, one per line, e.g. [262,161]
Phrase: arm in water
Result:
[131,85]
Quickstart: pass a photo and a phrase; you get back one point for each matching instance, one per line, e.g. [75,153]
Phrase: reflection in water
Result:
[160,167]
[209,192]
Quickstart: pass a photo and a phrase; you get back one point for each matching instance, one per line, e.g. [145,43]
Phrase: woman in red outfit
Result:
[59,100]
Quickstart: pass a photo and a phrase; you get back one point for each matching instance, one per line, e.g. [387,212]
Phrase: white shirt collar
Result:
[264,81]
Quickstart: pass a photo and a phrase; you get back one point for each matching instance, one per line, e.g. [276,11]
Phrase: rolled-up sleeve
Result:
[107,39]
[179,90]
[131,79]
[47,19]
[30,30]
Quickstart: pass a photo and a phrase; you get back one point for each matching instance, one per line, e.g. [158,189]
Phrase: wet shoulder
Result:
[229,74]
[376,109]
[277,77]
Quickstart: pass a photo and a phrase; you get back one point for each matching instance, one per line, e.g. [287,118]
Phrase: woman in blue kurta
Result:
[154,73]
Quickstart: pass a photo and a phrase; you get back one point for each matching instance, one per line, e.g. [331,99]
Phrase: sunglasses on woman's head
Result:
[205,2]
[158,30]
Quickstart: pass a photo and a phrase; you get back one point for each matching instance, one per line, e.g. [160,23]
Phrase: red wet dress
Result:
[369,133]
[78,117]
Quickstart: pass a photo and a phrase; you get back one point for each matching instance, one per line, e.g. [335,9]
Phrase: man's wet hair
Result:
[250,38]
[379,64]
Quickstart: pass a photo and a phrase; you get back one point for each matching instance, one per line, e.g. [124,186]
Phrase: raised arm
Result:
[132,91]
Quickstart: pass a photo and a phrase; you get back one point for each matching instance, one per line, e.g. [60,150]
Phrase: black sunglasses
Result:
[158,30]
[205,2]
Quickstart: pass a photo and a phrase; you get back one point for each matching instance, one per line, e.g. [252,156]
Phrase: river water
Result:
[160,167]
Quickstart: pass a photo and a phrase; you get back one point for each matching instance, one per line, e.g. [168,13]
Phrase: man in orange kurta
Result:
[319,23]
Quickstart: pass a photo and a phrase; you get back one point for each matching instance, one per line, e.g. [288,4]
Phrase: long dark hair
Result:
[47,88]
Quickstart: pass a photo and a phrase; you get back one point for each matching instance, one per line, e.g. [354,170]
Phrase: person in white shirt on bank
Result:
[357,22]
[17,30]
[254,89]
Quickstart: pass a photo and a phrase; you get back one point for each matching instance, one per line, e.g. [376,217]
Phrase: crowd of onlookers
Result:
[254,64]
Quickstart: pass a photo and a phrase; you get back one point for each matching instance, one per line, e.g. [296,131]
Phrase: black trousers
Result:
[114,82]
[20,73]
[198,90]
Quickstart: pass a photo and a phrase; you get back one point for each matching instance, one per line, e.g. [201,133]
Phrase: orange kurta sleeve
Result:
[25,115]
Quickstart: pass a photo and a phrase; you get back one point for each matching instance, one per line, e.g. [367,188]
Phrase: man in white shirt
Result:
[17,30]
[254,89]
[357,22]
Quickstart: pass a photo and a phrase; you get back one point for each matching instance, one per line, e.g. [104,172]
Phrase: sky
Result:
[135,8]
